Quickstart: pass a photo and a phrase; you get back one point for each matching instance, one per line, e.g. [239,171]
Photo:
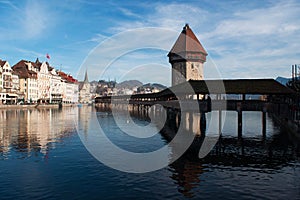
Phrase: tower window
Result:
[192,66]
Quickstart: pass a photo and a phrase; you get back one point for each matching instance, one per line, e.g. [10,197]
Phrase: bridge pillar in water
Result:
[220,122]
[264,123]
[240,123]
[202,123]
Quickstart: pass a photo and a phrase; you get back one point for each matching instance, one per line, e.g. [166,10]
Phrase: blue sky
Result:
[244,39]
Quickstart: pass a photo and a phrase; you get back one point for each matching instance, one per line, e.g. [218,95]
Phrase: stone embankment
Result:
[10,107]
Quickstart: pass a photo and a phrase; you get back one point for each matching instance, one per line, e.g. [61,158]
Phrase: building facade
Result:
[44,78]
[56,85]
[7,95]
[70,88]
[28,79]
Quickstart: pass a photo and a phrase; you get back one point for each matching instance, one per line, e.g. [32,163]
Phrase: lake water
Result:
[43,157]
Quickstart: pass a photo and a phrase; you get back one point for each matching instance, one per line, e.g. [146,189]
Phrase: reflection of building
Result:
[32,130]
[187,57]
[84,90]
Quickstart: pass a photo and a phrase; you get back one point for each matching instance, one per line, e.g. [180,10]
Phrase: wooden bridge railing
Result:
[204,105]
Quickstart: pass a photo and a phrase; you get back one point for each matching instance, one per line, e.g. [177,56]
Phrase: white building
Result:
[28,80]
[44,79]
[7,96]
[70,88]
[56,87]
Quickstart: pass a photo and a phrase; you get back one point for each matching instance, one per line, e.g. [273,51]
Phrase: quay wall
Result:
[11,107]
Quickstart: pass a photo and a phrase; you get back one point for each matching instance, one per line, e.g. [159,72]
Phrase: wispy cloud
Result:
[249,39]
[9,4]
[279,19]
[26,20]
[256,42]
[128,12]
[36,19]
[30,53]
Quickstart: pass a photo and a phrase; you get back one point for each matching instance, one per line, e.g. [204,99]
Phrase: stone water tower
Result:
[187,57]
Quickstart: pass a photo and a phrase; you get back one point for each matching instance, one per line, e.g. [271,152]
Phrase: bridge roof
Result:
[235,86]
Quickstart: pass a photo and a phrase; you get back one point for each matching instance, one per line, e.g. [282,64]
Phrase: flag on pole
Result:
[47,56]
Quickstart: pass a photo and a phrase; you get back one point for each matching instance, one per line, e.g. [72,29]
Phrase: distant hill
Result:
[129,84]
[154,85]
[282,80]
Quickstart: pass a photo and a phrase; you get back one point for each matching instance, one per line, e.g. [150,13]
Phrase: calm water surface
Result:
[42,157]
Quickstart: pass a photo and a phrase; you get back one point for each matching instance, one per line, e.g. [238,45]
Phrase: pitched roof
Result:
[187,42]
[67,77]
[2,62]
[235,86]
[22,69]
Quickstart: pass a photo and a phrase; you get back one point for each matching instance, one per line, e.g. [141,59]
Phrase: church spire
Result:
[86,80]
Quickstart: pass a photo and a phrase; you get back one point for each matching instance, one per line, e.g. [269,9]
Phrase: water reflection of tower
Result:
[186,174]
[84,114]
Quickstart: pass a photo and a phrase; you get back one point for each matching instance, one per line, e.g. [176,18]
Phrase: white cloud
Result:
[128,12]
[172,16]
[36,19]
[30,53]
[257,43]
[26,20]
[279,19]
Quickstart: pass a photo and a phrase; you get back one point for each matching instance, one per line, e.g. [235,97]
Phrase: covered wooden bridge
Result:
[217,95]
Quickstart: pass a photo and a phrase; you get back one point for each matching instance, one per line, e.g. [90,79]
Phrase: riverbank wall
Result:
[40,106]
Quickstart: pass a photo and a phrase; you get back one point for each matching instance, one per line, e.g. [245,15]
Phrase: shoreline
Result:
[34,106]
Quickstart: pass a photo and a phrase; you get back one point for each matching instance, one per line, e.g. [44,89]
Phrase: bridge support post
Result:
[264,123]
[220,122]
[240,123]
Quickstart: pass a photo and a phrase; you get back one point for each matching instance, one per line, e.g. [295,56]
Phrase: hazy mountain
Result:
[129,84]
[154,85]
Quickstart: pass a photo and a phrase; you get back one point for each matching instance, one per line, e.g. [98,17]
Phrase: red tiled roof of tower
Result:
[187,42]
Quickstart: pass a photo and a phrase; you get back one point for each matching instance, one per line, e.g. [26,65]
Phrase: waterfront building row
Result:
[35,82]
